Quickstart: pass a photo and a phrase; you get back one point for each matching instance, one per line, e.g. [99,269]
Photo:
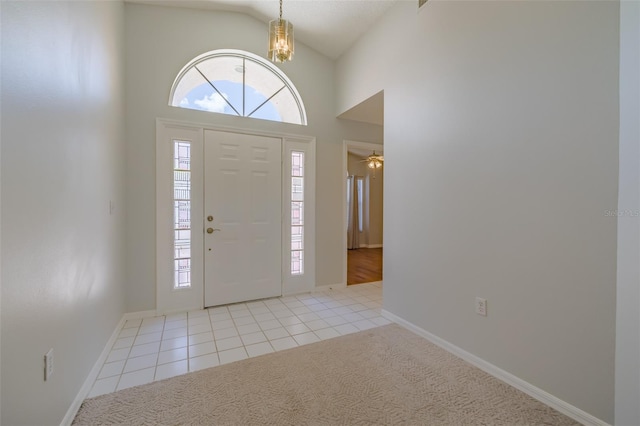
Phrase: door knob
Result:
[211,230]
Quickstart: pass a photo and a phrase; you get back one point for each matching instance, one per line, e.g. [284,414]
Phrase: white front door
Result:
[242,217]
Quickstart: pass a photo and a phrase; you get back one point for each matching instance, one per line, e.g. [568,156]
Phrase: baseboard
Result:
[93,374]
[531,390]
[372,282]
[371,246]
[141,314]
[329,287]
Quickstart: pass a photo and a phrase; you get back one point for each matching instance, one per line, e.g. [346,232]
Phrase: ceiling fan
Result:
[374,161]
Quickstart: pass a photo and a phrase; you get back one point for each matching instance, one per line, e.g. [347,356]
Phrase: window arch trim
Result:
[246,56]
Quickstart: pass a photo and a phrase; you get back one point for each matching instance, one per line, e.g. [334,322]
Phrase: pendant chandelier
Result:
[280,39]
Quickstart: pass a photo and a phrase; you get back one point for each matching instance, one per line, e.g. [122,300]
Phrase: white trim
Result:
[370,282]
[296,284]
[184,300]
[189,125]
[141,314]
[252,57]
[167,297]
[363,145]
[294,293]
[93,374]
[526,387]
[330,287]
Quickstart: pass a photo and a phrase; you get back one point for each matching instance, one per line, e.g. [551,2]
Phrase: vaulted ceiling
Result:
[328,26]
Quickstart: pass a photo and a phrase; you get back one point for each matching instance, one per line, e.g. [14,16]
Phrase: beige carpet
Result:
[385,375]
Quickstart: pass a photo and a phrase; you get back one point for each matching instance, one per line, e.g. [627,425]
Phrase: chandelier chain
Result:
[281,10]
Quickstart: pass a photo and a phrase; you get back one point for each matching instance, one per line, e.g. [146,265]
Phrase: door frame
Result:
[346,144]
[168,299]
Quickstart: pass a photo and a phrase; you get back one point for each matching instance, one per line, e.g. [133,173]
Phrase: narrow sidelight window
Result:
[182,214]
[297,213]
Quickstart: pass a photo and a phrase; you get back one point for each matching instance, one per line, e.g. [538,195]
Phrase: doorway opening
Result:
[363,199]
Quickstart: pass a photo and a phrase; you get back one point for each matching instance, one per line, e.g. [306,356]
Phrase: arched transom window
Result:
[237,83]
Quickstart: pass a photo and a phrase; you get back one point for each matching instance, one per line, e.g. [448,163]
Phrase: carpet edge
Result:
[533,391]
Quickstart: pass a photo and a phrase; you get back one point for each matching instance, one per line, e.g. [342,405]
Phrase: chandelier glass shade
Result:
[374,163]
[280,39]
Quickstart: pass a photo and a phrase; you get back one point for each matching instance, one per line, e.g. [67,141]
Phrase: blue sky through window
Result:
[205,98]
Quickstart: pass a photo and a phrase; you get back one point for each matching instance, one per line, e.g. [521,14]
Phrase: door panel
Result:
[242,192]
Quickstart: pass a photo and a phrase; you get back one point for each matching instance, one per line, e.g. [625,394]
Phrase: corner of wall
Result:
[627,380]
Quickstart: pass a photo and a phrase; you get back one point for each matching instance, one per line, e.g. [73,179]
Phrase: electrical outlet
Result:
[481,306]
[48,365]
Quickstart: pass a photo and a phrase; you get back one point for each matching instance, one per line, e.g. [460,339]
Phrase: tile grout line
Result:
[340,299]
[164,324]
[128,353]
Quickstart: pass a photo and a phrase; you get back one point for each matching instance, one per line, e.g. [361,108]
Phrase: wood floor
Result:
[364,265]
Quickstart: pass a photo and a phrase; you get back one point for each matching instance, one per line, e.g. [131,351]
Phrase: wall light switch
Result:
[481,306]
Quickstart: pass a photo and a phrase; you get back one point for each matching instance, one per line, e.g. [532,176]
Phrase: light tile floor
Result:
[157,348]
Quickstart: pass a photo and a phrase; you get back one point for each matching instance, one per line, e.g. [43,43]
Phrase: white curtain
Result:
[353,215]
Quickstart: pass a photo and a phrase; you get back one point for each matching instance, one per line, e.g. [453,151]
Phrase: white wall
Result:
[160,41]
[376,206]
[62,162]
[501,129]
[627,410]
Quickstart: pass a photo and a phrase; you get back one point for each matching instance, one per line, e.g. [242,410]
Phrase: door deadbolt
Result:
[210,218]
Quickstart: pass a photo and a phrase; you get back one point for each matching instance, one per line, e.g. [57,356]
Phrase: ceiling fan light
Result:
[374,164]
